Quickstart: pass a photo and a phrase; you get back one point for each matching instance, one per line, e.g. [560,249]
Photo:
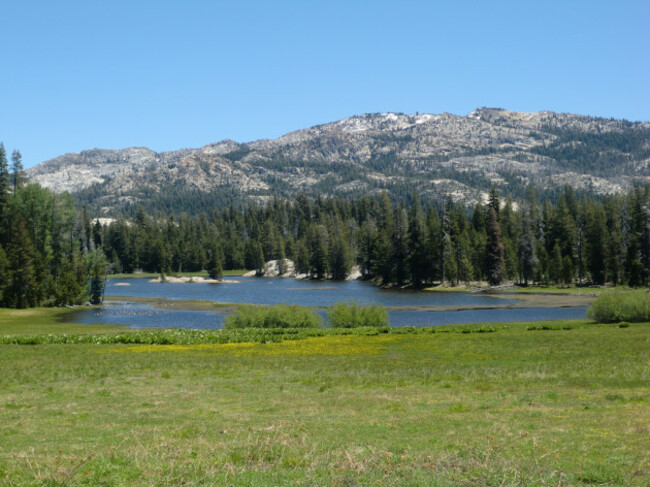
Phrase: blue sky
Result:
[169,74]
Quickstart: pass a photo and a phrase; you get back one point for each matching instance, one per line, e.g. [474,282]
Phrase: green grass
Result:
[42,321]
[516,407]
[616,306]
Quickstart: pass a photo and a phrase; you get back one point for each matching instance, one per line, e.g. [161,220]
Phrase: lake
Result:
[270,290]
[305,293]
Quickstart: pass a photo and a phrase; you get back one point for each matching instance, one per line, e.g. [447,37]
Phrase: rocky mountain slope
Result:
[435,155]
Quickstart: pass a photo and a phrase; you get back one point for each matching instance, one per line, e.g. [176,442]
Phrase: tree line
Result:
[42,259]
[570,241]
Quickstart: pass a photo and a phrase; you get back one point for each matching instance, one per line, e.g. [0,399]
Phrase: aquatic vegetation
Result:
[278,316]
[615,306]
[351,315]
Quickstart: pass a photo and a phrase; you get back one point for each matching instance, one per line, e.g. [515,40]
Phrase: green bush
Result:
[351,315]
[278,316]
[615,306]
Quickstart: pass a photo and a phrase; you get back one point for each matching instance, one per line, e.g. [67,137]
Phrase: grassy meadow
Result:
[560,404]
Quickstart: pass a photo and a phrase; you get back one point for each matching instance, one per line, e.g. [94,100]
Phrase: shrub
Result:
[278,316]
[350,315]
[615,306]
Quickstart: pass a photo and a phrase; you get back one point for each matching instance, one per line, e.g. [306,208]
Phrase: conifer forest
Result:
[54,254]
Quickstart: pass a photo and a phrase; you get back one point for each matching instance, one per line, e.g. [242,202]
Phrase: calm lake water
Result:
[292,291]
[305,293]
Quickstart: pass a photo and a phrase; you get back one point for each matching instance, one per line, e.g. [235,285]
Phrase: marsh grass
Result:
[351,315]
[615,306]
[277,316]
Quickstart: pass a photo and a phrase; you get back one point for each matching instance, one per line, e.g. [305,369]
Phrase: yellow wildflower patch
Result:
[331,345]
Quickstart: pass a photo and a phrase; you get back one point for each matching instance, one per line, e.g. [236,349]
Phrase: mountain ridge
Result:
[436,155]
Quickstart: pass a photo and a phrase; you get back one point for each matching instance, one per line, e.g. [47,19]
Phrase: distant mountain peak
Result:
[435,155]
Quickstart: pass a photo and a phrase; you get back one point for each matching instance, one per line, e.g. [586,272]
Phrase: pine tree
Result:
[433,244]
[302,257]
[526,250]
[494,250]
[17,170]
[493,201]
[4,194]
[400,247]
[543,264]
[215,269]
[555,267]
[317,245]
[4,274]
[595,236]
[567,270]
[417,242]
[446,244]
[367,238]
[383,266]
[21,290]
[97,267]
[340,261]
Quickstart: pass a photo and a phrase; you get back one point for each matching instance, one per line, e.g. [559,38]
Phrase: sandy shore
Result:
[190,280]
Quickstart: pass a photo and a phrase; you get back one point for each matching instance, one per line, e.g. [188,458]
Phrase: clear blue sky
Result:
[169,74]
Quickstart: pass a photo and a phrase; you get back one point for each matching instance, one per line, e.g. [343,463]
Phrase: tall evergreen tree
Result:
[22,287]
[596,250]
[434,246]
[494,250]
[302,257]
[97,268]
[340,259]
[318,250]
[493,201]
[215,269]
[17,170]
[367,241]
[4,275]
[383,258]
[400,247]
[4,193]
[526,250]
[418,259]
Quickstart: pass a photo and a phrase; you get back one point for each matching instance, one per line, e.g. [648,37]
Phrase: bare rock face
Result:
[436,156]
[276,268]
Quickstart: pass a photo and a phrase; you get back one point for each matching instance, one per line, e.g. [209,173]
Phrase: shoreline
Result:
[519,302]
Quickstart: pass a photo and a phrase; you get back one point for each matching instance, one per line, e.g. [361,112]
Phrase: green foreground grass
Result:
[563,403]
